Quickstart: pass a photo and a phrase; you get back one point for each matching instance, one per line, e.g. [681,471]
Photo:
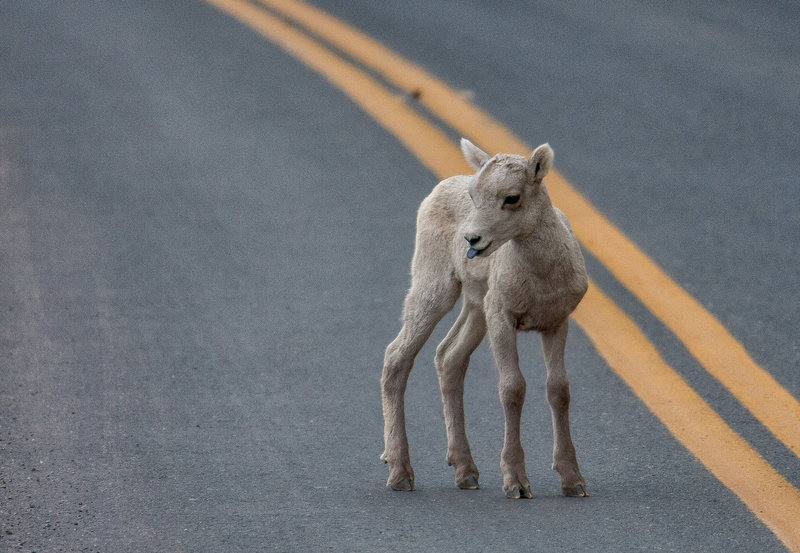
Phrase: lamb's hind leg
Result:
[424,308]
[452,359]
[565,461]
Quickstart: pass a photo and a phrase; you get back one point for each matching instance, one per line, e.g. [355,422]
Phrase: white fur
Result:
[527,273]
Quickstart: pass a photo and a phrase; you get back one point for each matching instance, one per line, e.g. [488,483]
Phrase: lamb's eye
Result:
[511,200]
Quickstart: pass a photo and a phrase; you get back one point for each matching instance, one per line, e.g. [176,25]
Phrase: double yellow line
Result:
[300,29]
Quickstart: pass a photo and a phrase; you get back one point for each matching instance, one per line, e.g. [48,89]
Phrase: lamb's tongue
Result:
[472,252]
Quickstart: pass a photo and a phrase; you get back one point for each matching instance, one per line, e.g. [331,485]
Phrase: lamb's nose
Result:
[472,239]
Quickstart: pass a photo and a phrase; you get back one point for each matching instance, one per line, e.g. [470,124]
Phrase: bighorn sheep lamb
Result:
[521,269]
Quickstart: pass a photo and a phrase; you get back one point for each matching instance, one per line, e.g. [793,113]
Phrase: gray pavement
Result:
[204,250]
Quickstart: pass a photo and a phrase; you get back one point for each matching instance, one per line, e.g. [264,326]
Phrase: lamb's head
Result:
[507,195]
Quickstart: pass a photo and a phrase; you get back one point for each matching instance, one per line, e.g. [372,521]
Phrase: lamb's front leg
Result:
[503,337]
[565,461]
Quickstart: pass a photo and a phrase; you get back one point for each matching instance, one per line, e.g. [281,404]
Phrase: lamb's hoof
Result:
[517,492]
[468,483]
[404,485]
[575,491]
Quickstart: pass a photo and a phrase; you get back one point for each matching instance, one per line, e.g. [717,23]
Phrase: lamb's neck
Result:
[536,248]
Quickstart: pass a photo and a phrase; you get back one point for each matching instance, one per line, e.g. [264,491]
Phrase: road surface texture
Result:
[204,248]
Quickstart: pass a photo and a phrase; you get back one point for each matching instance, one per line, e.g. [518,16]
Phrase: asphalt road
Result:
[204,248]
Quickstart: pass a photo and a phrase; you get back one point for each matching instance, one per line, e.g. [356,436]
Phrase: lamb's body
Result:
[522,270]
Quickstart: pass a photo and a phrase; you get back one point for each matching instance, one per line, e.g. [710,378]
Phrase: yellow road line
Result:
[689,418]
[617,338]
[431,146]
[435,95]
[702,334]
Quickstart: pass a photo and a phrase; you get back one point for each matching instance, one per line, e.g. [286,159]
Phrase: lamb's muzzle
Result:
[473,251]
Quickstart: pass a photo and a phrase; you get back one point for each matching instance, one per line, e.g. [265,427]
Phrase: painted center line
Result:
[615,336]
[702,334]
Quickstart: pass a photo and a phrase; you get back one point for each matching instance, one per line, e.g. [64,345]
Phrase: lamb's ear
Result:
[474,155]
[540,162]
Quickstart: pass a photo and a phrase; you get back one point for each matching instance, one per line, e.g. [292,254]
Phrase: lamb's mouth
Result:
[472,252]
